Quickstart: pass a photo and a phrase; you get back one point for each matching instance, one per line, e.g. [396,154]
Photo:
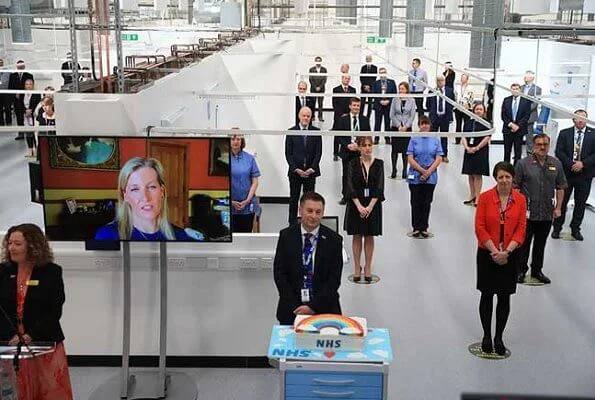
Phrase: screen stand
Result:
[146,384]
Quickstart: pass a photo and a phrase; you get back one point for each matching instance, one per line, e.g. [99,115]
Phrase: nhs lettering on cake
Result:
[291,353]
[330,331]
[328,344]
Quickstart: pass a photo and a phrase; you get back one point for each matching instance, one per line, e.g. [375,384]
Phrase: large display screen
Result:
[135,188]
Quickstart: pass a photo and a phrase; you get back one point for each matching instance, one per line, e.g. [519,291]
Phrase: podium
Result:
[328,373]
[149,384]
[8,353]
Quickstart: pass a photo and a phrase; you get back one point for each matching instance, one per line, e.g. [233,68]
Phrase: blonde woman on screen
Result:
[142,205]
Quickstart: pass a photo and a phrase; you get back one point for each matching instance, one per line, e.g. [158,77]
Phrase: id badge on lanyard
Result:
[306,260]
[305,295]
[365,176]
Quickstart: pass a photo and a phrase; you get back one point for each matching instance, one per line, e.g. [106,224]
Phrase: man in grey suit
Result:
[531,89]
[418,80]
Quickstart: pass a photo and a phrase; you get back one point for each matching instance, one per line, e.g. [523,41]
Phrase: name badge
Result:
[305,296]
[552,168]
[366,192]
[411,177]
[32,283]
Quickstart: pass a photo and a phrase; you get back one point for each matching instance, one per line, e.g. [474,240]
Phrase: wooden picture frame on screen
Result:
[84,152]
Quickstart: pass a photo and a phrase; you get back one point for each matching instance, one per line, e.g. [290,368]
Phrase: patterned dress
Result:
[44,377]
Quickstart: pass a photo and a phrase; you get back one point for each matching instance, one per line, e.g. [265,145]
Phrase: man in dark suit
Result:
[349,149]
[440,111]
[308,264]
[367,81]
[301,100]
[317,85]
[16,81]
[68,65]
[515,115]
[576,150]
[531,89]
[382,105]
[340,108]
[303,155]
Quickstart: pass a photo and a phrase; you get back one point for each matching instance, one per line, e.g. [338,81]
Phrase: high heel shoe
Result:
[368,279]
[469,202]
[499,346]
[357,278]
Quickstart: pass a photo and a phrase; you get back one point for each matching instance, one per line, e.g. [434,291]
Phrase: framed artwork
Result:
[219,157]
[84,152]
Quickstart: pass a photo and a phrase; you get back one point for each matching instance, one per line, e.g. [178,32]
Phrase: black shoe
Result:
[19,138]
[368,279]
[393,175]
[577,235]
[357,278]
[555,234]
[416,234]
[387,140]
[376,141]
[541,277]
[342,201]
[424,234]
[499,346]
[469,202]
[521,277]
[486,345]
[335,158]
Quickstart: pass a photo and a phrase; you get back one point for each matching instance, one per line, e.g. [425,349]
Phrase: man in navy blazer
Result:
[303,154]
[576,150]
[302,100]
[349,149]
[308,264]
[340,108]
[382,104]
[440,111]
[515,115]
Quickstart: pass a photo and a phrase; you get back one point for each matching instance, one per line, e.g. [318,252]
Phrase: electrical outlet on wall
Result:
[176,262]
[266,263]
[212,263]
[249,263]
[103,263]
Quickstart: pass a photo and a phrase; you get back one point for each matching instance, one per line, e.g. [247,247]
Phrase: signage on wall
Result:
[376,39]
[130,36]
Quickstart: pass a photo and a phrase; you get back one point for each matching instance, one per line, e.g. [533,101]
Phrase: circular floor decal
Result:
[475,349]
[410,234]
[567,236]
[375,279]
[530,281]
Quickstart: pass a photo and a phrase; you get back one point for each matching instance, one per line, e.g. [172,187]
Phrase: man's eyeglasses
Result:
[541,144]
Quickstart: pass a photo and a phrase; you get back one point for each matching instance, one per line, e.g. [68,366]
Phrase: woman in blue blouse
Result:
[424,155]
[244,181]
[142,212]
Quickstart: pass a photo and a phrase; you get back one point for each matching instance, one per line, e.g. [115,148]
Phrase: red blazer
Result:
[487,218]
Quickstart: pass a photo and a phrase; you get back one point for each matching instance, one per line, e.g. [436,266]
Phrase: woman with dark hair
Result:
[244,182]
[476,161]
[32,295]
[402,114]
[424,155]
[363,214]
[500,224]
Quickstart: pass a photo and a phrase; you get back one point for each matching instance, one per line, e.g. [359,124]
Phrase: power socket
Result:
[103,263]
[176,262]
[249,263]
[266,263]
[212,263]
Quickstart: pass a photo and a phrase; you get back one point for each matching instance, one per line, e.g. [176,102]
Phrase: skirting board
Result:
[171,361]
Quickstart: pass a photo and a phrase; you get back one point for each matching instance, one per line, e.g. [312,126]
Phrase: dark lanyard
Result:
[364,173]
[503,217]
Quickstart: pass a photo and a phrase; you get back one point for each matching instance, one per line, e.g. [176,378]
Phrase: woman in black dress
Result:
[363,214]
[476,161]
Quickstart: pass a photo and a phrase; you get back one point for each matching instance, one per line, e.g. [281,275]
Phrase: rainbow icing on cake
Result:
[330,331]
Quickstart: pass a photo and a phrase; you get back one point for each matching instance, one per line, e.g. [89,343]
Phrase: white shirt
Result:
[314,235]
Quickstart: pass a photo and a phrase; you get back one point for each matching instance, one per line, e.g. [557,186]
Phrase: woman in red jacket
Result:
[500,224]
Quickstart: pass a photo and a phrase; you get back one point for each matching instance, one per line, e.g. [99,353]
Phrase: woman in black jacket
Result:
[31,297]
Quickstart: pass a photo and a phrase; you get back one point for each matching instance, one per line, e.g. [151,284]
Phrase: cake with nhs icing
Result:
[330,332]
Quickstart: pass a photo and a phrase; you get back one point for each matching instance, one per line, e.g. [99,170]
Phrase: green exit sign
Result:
[375,39]
[130,36]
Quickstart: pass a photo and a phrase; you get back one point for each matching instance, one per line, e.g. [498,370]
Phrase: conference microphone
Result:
[20,344]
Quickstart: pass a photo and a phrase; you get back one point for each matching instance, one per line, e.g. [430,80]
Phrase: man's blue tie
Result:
[308,258]
[515,107]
